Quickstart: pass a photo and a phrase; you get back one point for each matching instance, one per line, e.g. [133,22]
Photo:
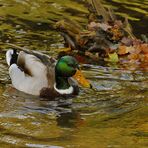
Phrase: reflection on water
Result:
[115,111]
[114,114]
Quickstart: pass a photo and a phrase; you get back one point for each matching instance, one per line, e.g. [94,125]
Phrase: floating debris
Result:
[105,37]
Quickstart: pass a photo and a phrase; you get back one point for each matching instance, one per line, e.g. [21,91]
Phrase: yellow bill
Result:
[81,79]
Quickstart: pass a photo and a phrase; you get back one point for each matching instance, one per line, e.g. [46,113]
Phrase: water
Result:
[113,115]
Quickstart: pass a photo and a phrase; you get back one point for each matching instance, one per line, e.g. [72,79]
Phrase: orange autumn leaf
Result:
[144,48]
[81,79]
[122,50]
[133,56]
[144,58]
[116,33]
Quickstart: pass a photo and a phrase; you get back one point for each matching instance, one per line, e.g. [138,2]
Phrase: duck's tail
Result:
[11,57]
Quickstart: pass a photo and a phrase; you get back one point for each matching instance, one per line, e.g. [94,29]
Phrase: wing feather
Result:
[31,65]
[27,65]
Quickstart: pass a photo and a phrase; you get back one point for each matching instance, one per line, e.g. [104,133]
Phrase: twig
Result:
[18,47]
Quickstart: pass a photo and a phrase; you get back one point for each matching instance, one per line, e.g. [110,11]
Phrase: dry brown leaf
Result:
[104,26]
[134,49]
[95,57]
[93,26]
[136,42]
[126,41]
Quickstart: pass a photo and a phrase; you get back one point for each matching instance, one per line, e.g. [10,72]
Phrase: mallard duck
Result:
[40,75]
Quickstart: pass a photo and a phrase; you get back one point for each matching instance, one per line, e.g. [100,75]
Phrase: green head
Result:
[66,66]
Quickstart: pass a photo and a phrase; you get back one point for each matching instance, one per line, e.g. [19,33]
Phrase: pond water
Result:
[115,114]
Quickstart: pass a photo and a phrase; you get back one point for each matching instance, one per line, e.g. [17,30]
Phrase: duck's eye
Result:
[73,65]
[70,64]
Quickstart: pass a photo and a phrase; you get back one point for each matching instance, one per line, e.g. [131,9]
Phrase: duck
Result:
[38,74]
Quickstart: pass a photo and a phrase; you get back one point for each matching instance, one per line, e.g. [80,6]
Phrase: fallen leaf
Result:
[118,23]
[133,56]
[122,50]
[144,48]
[113,57]
[115,32]
[95,57]
[144,58]
[136,42]
[126,41]
[134,49]
[104,26]
[92,26]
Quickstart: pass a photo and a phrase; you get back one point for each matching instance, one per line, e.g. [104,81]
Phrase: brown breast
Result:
[51,94]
